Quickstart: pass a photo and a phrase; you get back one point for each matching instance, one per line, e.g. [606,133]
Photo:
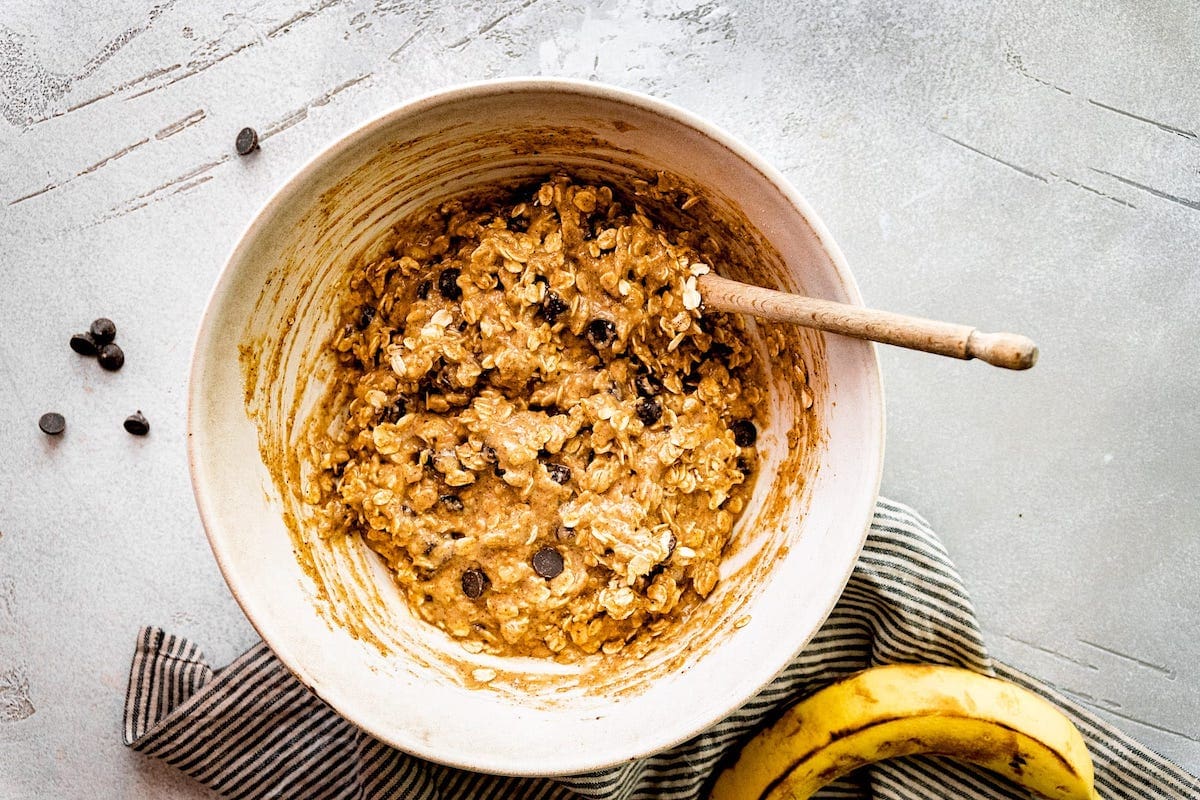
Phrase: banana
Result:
[908,709]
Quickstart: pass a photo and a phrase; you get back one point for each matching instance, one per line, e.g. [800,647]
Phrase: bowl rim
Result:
[464,91]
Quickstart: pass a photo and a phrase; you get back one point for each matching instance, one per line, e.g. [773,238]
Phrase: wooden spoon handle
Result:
[1008,350]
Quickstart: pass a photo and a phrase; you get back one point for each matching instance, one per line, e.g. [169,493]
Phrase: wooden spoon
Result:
[1008,350]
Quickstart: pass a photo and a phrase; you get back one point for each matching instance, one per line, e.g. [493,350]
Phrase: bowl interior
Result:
[330,611]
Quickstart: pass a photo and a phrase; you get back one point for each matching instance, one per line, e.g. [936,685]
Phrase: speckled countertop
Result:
[1015,165]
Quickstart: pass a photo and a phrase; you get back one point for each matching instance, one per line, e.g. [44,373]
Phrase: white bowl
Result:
[338,622]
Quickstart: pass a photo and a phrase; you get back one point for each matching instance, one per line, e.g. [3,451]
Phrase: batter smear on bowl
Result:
[534,426]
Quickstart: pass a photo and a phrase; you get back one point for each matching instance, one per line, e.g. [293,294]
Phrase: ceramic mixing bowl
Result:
[331,612]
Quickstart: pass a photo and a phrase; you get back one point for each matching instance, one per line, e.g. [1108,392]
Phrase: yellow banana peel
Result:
[910,709]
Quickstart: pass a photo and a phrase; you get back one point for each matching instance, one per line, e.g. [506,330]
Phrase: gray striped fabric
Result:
[251,730]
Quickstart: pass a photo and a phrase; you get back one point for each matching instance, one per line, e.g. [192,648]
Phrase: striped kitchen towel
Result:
[250,730]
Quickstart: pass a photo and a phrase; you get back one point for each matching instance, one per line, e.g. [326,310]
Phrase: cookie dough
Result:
[532,423]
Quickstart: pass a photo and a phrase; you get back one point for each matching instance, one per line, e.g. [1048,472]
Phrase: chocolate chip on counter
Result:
[559,473]
[52,423]
[84,344]
[473,583]
[246,142]
[365,316]
[548,562]
[553,307]
[601,332]
[137,424]
[103,330]
[111,357]
[423,289]
[448,283]
[649,410]
[744,433]
[451,502]
[647,385]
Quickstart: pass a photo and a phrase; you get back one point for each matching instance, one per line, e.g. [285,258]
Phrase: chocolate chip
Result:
[111,357]
[649,410]
[720,350]
[473,583]
[137,424]
[559,473]
[601,332]
[246,142]
[451,502]
[84,344]
[448,283]
[489,456]
[744,433]
[103,330]
[395,411]
[553,307]
[365,316]
[52,423]
[647,385]
[548,562]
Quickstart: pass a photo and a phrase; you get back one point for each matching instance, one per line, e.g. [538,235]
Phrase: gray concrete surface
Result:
[1017,165]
